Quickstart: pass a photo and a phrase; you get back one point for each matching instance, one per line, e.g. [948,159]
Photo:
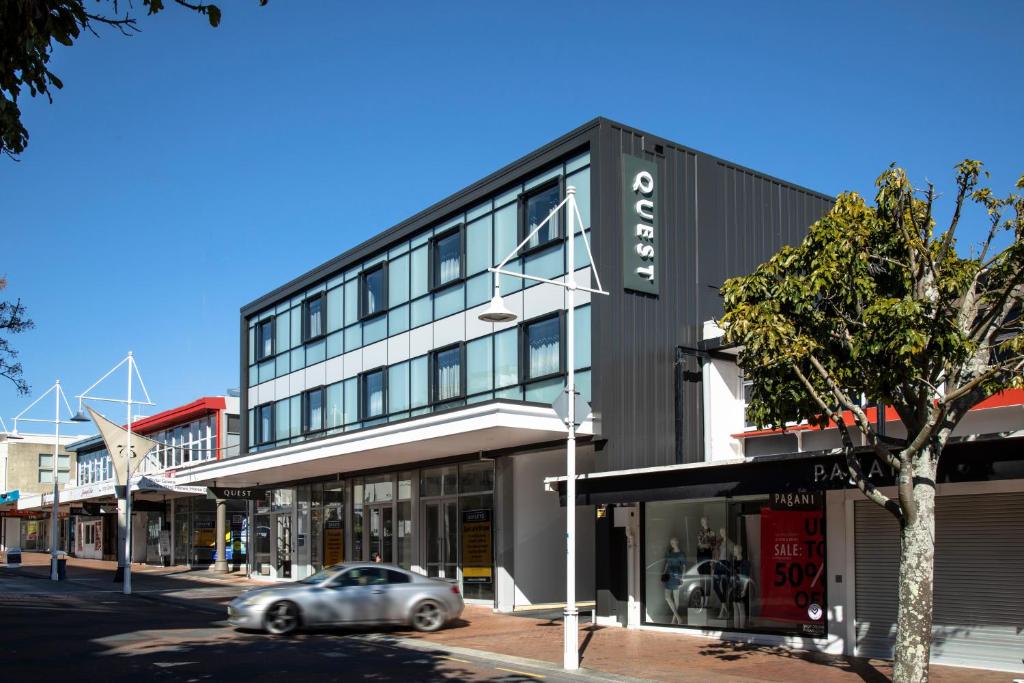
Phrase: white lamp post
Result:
[58,395]
[133,371]
[497,312]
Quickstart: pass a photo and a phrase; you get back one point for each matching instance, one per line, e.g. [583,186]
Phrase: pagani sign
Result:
[640,218]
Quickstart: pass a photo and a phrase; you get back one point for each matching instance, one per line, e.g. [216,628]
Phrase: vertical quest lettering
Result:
[643,184]
[640,218]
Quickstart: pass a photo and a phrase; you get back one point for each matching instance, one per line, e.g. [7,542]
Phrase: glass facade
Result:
[429,277]
[748,564]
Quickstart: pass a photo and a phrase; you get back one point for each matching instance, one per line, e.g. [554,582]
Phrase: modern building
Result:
[171,523]
[27,468]
[381,415]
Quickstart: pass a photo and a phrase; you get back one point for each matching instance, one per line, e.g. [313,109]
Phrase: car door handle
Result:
[377,590]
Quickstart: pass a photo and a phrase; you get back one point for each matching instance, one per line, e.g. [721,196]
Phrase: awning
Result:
[982,460]
[491,426]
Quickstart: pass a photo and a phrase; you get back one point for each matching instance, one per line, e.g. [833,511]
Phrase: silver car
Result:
[349,595]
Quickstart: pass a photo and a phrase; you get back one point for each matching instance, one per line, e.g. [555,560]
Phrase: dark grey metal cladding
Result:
[716,220]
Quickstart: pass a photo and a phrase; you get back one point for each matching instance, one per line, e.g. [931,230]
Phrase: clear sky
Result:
[185,171]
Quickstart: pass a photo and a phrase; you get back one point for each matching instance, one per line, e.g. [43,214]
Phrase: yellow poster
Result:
[334,543]
[477,552]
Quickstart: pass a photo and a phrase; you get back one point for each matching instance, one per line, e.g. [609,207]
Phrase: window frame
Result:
[264,406]
[260,356]
[432,369]
[524,351]
[433,271]
[52,469]
[363,314]
[307,335]
[306,427]
[383,370]
[523,199]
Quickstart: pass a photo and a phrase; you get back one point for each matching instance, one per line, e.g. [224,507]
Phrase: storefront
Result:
[435,520]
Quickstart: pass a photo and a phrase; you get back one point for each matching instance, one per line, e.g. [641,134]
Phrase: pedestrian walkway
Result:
[643,654]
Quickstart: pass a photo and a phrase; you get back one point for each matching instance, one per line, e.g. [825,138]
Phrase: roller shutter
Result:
[979,580]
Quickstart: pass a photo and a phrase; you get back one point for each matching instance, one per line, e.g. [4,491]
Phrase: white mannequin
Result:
[672,594]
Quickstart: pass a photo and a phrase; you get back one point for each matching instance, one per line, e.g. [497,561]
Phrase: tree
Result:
[876,303]
[29,30]
[12,321]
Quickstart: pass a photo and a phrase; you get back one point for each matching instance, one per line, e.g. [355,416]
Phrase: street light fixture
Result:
[133,371]
[58,394]
[11,436]
[497,312]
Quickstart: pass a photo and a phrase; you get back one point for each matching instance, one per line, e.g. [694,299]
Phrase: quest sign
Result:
[640,223]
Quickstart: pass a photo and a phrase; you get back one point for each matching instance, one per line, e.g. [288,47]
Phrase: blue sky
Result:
[185,171]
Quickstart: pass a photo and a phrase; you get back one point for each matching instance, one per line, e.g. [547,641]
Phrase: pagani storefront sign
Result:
[639,225]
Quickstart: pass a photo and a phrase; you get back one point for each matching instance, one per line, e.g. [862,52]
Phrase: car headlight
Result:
[247,600]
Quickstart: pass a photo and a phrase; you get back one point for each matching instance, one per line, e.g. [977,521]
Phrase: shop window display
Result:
[753,564]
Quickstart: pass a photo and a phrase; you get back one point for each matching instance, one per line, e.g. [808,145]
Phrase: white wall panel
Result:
[421,340]
[352,363]
[398,348]
[450,330]
[335,370]
[541,299]
[476,327]
[296,383]
[375,355]
[316,375]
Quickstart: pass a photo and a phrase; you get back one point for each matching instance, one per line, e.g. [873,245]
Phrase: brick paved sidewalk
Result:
[651,655]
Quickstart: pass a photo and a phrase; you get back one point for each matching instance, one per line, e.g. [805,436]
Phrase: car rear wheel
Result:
[428,616]
[282,618]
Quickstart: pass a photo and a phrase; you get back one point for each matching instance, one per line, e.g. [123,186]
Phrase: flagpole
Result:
[128,490]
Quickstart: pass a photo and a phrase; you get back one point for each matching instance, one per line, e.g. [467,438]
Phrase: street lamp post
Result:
[58,394]
[133,371]
[497,312]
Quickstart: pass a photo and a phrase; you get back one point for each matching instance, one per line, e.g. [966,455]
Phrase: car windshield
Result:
[322,575]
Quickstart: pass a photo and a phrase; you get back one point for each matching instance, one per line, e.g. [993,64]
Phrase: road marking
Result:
[456,659]
[521,673]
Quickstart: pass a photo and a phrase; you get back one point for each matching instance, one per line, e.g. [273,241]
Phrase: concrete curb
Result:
[428,646]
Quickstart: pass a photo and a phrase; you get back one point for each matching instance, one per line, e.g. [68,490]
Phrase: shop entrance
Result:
[441,537]
[380,531]
[273,552]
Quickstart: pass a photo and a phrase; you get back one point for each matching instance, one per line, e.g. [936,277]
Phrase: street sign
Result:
[561,406]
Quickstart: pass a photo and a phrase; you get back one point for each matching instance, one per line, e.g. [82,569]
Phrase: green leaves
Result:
[886,308]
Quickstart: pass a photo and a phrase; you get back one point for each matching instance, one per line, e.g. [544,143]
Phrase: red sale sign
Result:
[793,561]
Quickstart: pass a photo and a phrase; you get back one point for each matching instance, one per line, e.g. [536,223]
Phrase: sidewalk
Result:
[649,655]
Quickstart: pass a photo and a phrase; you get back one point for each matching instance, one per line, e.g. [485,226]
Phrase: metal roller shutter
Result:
[979,580]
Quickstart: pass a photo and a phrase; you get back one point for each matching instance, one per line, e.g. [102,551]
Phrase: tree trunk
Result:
[917,570]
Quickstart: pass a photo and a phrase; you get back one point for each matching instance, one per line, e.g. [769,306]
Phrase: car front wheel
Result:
[428,616]
[282,618]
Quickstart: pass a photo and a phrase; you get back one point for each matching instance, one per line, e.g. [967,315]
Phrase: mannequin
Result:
[672,576]
[739,592]
[722,573]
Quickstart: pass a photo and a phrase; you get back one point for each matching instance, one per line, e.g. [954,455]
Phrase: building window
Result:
[46,468]
[313,314]
[446,262]
[448,374]
[264,339]
[534,209]
[373,291]
[265,423]
[542,347]
[373,388]
[313,410]
[746,393]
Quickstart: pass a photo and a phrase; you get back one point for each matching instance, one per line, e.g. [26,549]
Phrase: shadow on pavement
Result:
[731,652]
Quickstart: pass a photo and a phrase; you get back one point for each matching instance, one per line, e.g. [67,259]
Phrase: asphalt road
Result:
[79,631]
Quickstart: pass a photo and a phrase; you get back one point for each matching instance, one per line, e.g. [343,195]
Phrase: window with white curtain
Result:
[543,347]
[536,207]
[313,410]
[448,374]
[447,255]
[314,317]
[373,394]
[374,292]
[264,339]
